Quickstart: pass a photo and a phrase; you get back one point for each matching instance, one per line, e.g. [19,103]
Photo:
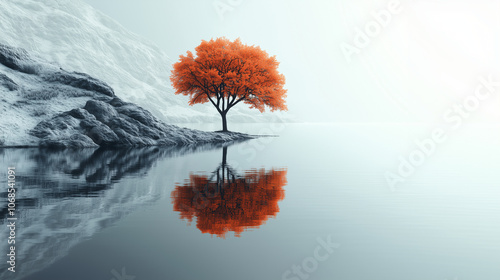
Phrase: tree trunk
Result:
[224,122]
[224,156]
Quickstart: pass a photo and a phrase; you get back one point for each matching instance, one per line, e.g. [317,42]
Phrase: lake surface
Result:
[313,203]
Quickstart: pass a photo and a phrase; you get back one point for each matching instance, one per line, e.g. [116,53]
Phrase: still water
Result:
[313,203]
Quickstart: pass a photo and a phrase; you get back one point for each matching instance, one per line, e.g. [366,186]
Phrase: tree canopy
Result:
[225,73]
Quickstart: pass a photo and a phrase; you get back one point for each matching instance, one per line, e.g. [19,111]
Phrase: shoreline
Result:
[222,142]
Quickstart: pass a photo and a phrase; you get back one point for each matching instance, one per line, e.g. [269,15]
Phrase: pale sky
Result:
[419,60]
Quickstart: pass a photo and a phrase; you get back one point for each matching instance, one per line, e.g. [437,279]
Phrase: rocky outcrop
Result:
[8,83]
[17,59]
[118,123]
[79,80]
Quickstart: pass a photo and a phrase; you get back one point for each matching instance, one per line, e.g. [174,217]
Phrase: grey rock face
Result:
[103,135]
[8,83]
[79,80]
[118,123]
[16,58]
[76,140]
[102,111]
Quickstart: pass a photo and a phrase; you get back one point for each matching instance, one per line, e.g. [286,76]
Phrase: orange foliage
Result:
[225,73]
[232,205]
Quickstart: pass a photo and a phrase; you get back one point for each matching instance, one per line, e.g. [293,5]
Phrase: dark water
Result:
[313,203]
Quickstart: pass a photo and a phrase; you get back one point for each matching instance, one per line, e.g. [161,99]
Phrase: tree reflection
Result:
[65,196]
[227,201]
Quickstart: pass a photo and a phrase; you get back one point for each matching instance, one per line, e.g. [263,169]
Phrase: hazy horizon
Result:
[427,58]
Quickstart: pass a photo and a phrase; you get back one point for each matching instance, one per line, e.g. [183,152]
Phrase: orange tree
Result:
[225,73]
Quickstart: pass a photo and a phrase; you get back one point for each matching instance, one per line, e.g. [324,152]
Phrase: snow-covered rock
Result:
[118,123]
[32,90]
[73,34]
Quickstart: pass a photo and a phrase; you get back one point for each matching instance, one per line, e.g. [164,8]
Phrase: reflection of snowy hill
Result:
[65,197]
[74,35]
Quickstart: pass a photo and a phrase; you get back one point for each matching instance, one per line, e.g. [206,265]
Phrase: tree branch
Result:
[217,107]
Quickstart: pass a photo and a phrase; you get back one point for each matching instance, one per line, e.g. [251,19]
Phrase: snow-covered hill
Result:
[42,104]
[73,34]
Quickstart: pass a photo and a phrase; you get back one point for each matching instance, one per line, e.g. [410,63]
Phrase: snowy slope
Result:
[28,95]
[73,34]
[72,109]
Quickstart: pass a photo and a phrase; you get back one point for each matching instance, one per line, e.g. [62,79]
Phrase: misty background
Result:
[427,58]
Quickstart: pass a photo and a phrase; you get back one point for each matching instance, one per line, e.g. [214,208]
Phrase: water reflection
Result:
[226,201]
[66,196]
